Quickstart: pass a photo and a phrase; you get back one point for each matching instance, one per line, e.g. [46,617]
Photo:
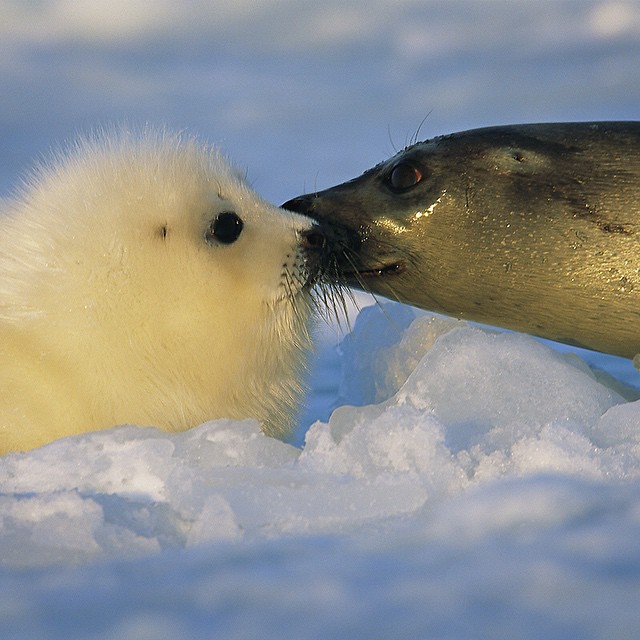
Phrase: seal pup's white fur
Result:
[118,303]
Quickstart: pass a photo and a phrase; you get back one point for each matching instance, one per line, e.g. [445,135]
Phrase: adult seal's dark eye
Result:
[403,177]
[225,228]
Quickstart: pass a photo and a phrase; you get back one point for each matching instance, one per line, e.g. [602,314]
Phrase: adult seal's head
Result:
[529,227]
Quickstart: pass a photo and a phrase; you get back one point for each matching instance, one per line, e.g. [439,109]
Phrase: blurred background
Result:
[304,94]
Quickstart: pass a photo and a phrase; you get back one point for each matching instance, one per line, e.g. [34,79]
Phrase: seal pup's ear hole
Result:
[162,232]
[225,228]
[403,176]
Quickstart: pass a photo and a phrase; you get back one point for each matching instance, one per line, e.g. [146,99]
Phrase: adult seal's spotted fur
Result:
[531,227]
[143,282]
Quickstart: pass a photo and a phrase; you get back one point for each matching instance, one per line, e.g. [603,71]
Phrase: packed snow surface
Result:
[486,482]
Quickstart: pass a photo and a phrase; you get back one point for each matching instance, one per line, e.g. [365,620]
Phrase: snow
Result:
[447,480]
[477,406]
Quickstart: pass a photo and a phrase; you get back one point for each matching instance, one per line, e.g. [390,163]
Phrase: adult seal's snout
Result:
[529,227]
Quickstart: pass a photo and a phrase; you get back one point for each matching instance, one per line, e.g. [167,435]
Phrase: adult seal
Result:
[532,227]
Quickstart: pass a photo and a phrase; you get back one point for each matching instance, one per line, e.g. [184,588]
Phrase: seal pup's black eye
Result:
[403,177]
[226,228]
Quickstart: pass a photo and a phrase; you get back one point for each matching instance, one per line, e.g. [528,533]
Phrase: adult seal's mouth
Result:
[528,227]
[394,268]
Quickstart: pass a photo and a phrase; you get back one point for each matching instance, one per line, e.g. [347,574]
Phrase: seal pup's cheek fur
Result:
[142,281]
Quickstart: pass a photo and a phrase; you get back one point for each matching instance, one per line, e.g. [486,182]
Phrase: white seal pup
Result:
[143,282]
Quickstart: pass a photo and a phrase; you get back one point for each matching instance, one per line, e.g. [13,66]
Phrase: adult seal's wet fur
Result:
[530,227]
